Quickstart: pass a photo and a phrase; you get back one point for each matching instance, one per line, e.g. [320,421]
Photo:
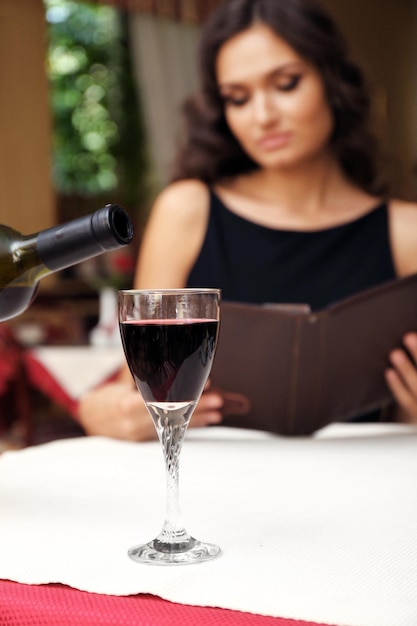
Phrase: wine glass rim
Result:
[185,290]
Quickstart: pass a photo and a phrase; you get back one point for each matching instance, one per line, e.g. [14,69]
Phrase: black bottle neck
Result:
[65,245]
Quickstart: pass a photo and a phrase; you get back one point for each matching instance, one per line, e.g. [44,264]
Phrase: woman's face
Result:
[275,103]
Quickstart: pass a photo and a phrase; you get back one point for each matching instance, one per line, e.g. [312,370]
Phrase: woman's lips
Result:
[274,141]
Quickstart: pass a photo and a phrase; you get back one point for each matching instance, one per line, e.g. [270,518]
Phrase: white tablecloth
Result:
[321,529]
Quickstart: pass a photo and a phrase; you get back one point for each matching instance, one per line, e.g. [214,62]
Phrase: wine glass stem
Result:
[173,537]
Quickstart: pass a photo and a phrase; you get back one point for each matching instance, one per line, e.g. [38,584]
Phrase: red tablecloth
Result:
[57,605]
[44,380]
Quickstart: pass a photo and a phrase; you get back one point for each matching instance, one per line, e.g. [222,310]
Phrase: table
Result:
[333,542]
[56,605]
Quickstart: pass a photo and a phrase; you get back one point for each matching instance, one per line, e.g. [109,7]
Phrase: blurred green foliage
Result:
[99,146]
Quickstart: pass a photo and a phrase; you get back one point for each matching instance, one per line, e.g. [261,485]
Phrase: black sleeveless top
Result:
[257,264]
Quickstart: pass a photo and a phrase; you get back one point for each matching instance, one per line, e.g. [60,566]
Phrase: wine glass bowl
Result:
[169,337]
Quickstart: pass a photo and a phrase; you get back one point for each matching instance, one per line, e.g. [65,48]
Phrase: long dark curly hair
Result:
[210,152]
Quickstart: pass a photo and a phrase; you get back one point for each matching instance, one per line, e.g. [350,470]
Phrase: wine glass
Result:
[169,337]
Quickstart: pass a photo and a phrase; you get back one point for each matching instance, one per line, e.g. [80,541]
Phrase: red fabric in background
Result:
[43,380]
[57,605]
[10,357]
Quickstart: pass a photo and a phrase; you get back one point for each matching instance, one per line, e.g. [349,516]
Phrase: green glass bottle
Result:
[24,260]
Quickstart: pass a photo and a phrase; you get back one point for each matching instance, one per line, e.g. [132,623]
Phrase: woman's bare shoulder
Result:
[403,218]
[404,206]
[184,197]
[174,235]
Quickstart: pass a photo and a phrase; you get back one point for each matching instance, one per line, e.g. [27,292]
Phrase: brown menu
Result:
[291,371]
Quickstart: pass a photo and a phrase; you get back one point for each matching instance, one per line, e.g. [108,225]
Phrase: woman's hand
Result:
[117,410]
[401,378]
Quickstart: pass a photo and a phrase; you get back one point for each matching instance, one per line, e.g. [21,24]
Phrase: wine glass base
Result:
[199,552]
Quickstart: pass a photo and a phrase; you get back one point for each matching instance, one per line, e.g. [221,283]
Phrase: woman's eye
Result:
[289,84]
[236,101]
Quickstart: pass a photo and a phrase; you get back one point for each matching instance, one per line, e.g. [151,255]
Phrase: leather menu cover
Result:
[291,371]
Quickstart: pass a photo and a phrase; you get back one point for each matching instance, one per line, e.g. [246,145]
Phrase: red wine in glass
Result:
[169,339]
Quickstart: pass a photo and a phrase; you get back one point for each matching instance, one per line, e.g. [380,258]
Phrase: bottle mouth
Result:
[121,224]
[111,224]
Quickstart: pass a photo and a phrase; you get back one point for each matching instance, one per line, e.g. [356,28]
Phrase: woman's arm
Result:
[401,377]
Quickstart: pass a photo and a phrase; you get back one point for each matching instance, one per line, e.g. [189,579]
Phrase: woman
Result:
[276,195]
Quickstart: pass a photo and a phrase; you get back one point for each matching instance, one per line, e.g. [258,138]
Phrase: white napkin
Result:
[321,529]
[78,369]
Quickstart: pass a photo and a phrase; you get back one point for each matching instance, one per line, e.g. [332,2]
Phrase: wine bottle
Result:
[24,260]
